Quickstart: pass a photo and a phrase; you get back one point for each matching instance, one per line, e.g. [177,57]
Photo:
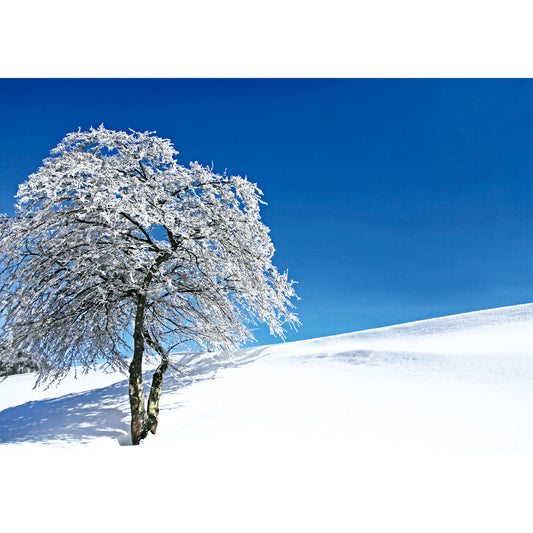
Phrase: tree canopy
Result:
[117,249]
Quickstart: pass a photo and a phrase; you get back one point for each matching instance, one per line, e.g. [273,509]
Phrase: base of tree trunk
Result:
[145,421]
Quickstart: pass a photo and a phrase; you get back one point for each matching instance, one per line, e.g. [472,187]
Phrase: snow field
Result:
[418,427]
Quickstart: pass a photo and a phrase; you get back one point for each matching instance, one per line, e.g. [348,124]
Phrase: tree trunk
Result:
[136,393]
[140,426]
[155,394]
[138,414]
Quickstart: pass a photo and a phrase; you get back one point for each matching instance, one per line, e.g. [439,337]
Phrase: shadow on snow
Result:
[104,412]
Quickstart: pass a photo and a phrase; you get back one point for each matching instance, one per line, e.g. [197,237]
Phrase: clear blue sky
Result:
[388,200]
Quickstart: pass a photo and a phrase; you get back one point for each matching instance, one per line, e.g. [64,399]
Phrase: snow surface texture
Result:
[317,435]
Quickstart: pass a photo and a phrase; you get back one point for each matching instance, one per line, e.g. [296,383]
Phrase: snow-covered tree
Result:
[13,362]
[114,246]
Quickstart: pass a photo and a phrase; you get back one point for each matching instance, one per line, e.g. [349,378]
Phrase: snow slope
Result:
[423,426]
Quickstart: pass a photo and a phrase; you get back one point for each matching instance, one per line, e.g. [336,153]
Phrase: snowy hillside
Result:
[317,435]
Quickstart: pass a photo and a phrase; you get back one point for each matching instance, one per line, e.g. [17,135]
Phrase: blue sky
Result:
[389,200]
